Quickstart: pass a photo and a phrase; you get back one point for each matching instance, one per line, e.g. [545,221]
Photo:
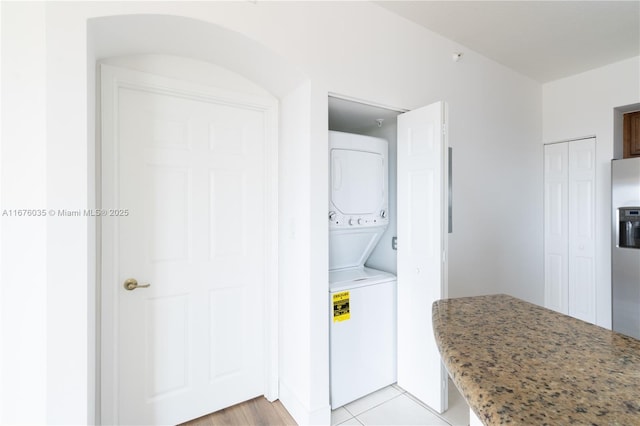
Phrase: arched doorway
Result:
[137,35]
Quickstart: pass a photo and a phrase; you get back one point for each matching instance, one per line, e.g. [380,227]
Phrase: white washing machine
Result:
[362,300]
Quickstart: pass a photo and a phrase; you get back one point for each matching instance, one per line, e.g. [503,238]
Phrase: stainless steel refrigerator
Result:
[625,245]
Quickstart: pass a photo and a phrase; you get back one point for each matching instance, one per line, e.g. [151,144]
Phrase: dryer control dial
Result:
[351,221]
[383,213]
[332,216]
[360,221]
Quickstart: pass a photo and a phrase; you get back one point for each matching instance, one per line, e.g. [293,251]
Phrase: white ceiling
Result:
[545,40]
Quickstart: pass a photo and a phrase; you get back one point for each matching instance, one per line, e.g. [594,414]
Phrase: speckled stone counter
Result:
[519,363]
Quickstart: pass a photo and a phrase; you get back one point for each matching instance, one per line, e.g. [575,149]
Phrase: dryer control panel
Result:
[339,220]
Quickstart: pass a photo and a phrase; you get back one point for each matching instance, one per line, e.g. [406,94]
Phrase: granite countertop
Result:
[519,363]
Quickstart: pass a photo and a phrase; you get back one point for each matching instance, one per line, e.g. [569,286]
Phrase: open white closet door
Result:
[422,250]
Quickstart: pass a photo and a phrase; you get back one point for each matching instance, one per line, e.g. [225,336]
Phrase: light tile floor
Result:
[394,406]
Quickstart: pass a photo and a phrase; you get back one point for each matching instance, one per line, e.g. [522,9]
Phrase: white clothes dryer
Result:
[359,179]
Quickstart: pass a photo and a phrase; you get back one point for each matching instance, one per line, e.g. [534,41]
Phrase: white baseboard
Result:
[300,412]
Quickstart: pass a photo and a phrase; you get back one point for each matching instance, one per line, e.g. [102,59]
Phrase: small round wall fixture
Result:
[456,56]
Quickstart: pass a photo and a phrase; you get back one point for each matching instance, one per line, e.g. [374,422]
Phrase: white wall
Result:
[23,301]
[583,105]
[495,129]
[304,357]
[293,236]
[318,252]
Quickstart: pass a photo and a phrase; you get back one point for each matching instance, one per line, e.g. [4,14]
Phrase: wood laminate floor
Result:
[257,411]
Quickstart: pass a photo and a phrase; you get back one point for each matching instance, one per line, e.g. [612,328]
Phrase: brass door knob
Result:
[132,284]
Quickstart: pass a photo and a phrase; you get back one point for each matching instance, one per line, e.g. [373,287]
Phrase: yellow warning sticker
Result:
[341,310]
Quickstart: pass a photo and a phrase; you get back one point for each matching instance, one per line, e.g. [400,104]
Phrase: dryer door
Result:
[357,181]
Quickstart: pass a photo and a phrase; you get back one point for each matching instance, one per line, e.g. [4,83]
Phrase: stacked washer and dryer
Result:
[362,299]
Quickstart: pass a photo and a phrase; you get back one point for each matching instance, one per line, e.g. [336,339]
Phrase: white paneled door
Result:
[582,247]
[556,226]
[569,222]
[189,215]
[422,246]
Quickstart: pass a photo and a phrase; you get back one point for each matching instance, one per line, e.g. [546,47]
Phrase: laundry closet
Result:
[362,259]
[388,170]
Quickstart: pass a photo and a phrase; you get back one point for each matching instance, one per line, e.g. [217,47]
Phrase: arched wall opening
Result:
[194,50]
[126,35]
